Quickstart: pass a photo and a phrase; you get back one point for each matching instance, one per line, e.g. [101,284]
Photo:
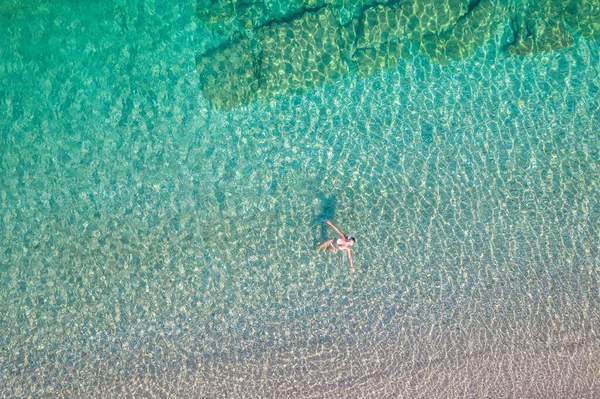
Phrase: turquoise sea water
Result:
[151,245]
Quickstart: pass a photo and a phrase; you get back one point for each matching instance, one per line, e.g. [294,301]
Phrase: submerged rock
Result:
[539,27]
[470,32]
[549,35]
[229,75]
[382,41]
[264,48]
[432,17]
[584,15]
[282,57]
[302,53]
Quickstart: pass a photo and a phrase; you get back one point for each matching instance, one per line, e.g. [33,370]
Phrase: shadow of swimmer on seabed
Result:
[338,244]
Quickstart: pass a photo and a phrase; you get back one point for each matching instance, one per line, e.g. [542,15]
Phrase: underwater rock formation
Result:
[281,57]
[262,48]
[229,75]
[584,16]
[301,53]
[432,17]
[382,41]
[539,27]
[471,31]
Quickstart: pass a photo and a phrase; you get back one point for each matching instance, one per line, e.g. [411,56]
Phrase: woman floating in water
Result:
[338,244]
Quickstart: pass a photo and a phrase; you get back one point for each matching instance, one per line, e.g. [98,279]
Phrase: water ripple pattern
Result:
[153,246]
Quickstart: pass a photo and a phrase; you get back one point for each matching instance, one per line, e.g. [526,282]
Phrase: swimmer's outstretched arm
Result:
[336,229]
[350,259]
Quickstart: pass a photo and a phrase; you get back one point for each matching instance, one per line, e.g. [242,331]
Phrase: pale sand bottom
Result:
[444,363]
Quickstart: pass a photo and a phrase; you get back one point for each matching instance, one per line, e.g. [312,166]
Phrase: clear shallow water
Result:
[151,245]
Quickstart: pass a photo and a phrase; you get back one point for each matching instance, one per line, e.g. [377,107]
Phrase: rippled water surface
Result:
[153,242]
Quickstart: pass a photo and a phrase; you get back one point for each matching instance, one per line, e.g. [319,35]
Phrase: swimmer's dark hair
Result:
[352,239]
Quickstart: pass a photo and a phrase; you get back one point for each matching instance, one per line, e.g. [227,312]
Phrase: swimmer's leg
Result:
[328,245]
